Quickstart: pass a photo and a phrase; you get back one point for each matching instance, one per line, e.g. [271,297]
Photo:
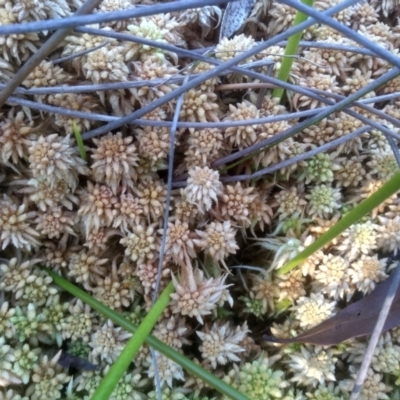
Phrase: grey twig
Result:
[363,104]
[44,50]
[313,93]
[381,97]
[214,72]
[59,110]
[146,122]
[198,125]
[307,92]
[323,114]
[178,79]
[79,54]
[336,96]
[319,45]
[362,373]
[395,149]
[72,22]
[333,46]
[169,189]
[200,52]
[116,85]
[344,30]
[311,153]
[202,57]
[147,42]
[156,374]
[287,163]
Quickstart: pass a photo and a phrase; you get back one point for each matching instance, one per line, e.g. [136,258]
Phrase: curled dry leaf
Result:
[358,319]
[68,360]
[234,17]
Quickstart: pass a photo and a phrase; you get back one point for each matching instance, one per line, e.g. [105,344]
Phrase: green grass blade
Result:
[158,345]
[291,50]
[122,363]
[79,142]
[364,208]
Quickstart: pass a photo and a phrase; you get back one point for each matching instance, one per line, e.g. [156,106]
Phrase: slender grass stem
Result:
[158,345]
[79,142]
[291,50]
[391,187]
[121,364]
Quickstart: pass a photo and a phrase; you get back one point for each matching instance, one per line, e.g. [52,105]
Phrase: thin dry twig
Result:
[311,121]
[169,188]
[198,125]
[312,153]
[165,225]
[44,50]
[305,91]
[201,57]
[79,54]
[332,46]
[246,85]
[156,373]
[262,92]
[214,72]
[344,30]
[255,85]
[74,21]
[287,163]
[287,86]
[146,122]
[116,85]
[395,149]
[362,373]
[316,45]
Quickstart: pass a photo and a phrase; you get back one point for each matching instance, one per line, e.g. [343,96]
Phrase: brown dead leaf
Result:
[358,319]
[234,16]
